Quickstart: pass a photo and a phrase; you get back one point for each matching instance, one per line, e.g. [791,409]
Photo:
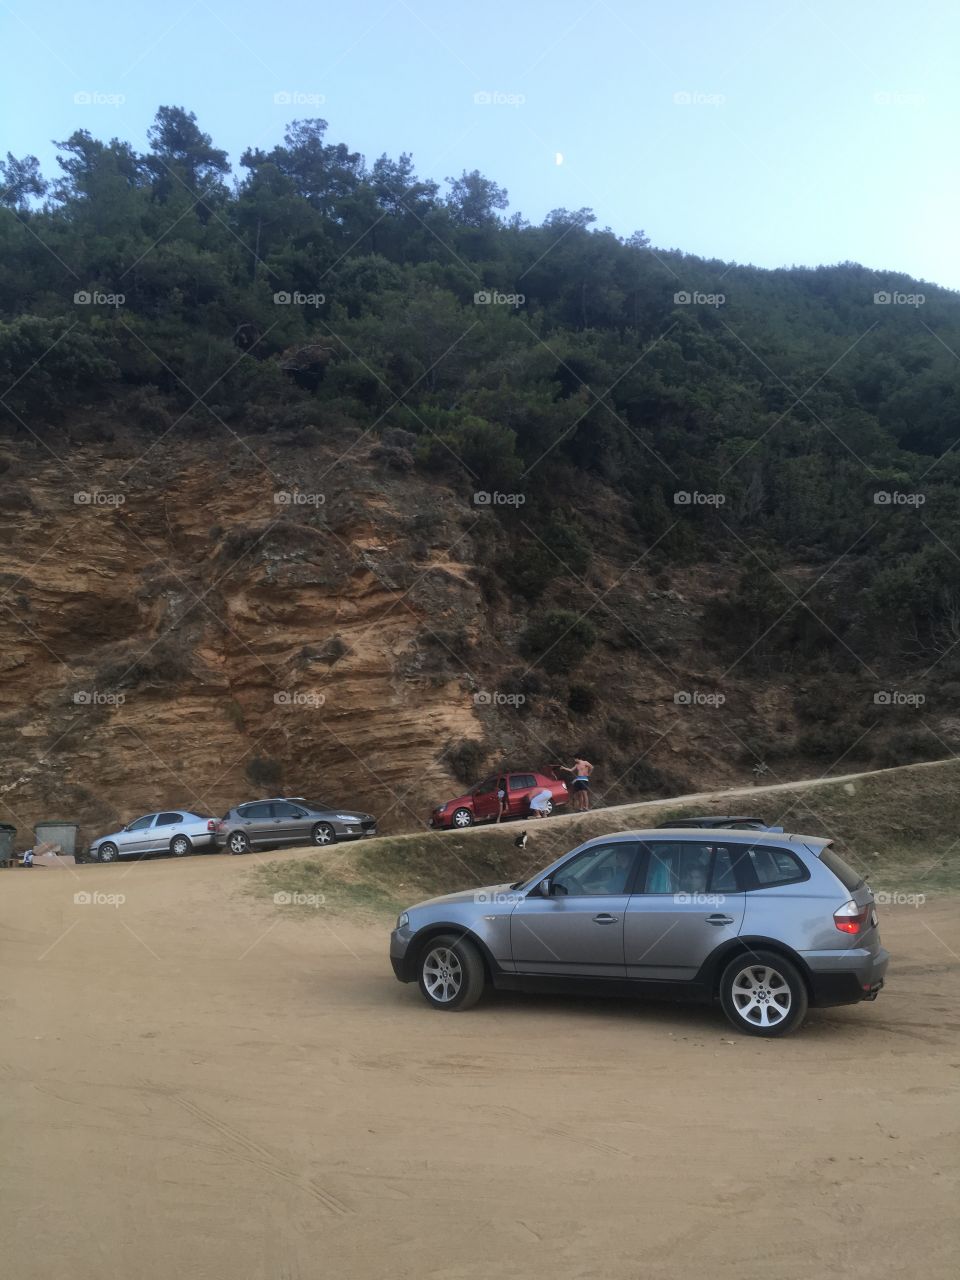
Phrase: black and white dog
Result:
[521,841]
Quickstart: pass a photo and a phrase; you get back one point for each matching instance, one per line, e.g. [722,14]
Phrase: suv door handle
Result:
[605,918]
[719,919]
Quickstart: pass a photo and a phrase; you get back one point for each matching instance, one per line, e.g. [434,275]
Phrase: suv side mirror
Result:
[545,887]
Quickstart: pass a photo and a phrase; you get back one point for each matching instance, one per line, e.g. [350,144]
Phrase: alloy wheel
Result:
[761,996]
[442,975]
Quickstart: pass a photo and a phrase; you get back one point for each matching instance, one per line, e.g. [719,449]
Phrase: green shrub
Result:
[581,699]
[558,640]
[265,773]
[466,760]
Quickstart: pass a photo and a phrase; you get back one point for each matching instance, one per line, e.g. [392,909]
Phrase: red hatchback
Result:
[480,804]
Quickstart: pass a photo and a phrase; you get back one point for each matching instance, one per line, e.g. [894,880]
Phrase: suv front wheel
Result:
[451,973]
[763,994]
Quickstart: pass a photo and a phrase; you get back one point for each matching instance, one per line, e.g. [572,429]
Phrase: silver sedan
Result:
[175,831]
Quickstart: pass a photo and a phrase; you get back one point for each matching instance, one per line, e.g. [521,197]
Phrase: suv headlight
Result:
[402,920]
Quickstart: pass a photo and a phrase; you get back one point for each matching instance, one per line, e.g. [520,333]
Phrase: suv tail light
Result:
[851,918]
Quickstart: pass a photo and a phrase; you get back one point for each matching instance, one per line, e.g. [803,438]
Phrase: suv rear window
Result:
[849,878]
[776,866]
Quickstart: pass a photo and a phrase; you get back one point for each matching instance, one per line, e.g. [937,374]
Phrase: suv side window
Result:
[775,866]
[677,866]
[730,873]
[249,811]
[169,819]
[601,871]
[141,824]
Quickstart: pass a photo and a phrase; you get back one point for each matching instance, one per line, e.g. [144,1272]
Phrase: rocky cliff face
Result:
[194,623]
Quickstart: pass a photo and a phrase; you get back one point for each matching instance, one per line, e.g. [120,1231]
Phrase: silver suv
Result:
[767,923]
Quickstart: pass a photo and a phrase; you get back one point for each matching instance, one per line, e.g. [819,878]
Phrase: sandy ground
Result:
[195,1084]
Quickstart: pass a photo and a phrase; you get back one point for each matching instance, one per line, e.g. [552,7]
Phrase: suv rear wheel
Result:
[763,994]
[451,973]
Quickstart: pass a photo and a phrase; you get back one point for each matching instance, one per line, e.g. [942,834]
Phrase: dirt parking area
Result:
[196,1083]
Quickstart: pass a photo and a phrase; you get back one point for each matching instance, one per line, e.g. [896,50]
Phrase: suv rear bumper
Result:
[846,978]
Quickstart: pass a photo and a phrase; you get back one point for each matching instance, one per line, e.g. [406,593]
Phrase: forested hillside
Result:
[637,468]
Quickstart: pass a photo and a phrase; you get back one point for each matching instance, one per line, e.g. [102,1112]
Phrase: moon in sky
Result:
[558,158]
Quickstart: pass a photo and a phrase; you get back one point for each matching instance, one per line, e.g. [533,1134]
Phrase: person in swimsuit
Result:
[580,786]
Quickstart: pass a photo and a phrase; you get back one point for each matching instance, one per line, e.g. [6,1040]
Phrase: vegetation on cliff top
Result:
[772,418]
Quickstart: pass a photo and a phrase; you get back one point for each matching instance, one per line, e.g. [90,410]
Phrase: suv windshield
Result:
[849,878]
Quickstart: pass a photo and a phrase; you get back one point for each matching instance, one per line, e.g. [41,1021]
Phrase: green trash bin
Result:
[62,833]
[7,836]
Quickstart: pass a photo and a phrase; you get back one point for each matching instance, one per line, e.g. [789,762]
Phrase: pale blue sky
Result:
[816,131]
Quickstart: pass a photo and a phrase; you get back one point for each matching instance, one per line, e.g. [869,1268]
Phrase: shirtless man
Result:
[580,786]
